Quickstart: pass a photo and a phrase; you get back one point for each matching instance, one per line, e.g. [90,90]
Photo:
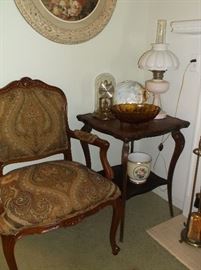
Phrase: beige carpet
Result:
[86,245]
[167,234]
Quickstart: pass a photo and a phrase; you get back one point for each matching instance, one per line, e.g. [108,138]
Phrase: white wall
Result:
[185,47]
[195,160]
[24,52]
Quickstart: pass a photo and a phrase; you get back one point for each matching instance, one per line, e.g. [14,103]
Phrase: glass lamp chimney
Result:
[161,31]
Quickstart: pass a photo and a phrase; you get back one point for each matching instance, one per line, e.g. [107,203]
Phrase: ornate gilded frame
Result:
[62,31]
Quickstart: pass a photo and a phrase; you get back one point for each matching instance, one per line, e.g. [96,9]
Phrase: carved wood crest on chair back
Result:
[53,194]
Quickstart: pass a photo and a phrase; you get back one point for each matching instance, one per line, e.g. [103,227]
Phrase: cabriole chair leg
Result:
[8,243]
[116,217]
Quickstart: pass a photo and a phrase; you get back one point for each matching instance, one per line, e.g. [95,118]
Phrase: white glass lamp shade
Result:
[158,58]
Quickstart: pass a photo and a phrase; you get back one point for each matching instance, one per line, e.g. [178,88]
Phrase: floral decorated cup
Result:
[138,167]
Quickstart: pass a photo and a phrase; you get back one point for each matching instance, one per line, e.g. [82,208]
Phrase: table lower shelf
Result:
[152,182]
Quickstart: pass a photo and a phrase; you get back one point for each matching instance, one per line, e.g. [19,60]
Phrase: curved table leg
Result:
[85,146]
[179,145]
[124,159]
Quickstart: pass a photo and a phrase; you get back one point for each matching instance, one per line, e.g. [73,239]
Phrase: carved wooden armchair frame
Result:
[23,104]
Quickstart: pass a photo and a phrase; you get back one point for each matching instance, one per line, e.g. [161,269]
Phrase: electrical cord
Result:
[163,138]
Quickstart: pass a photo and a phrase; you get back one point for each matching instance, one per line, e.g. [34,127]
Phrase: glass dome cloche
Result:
[131,104]
[105,87]
[130,92]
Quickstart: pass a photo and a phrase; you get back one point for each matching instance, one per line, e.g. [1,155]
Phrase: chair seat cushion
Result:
[47,193]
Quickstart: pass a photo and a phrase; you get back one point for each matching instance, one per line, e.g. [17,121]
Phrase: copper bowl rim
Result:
[142,115]
[134,105]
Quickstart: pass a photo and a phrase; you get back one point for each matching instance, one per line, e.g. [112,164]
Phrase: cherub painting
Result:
[70,10]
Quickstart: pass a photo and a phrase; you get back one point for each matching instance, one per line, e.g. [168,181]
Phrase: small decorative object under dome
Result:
[104,86]
[129,92]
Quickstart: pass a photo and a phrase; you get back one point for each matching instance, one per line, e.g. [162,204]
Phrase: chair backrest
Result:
[33,121]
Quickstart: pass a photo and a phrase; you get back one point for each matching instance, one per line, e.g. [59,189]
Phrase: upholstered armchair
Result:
[48,195]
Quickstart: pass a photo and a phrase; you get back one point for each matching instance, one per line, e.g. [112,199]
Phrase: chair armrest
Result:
[92,139]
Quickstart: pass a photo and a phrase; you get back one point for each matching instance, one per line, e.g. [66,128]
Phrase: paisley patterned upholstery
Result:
[32,123]
[46,193]
[50,195]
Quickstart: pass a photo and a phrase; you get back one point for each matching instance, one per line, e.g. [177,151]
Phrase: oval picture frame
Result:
[66,31]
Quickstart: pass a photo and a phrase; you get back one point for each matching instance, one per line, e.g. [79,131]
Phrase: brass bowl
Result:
[135,113]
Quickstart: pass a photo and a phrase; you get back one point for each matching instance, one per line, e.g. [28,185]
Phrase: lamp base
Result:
[157,86]
[161,115]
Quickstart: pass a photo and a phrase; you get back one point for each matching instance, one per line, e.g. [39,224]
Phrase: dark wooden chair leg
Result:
[8,243]
[116,218]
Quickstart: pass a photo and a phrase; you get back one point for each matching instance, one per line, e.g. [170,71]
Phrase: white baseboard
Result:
[162,192]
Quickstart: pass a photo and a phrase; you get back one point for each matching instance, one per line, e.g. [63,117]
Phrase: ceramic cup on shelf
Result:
[138,167]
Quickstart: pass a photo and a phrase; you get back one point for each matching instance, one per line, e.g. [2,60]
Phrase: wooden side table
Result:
[128,133]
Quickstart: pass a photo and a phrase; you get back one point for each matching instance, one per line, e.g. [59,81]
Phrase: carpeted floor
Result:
[86,245]
[167,235]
